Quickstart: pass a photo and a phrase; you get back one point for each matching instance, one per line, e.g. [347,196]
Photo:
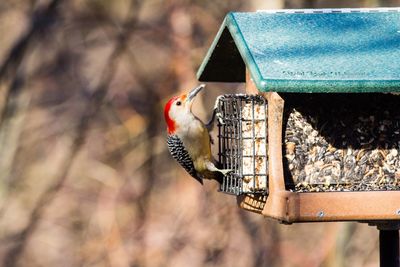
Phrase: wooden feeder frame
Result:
[291,207]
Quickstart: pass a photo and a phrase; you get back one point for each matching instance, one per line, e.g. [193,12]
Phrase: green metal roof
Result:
[343,50]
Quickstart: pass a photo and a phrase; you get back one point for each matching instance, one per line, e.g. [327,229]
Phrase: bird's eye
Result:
[178,103]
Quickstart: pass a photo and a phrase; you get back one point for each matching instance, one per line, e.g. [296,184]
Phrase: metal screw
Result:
[320,214]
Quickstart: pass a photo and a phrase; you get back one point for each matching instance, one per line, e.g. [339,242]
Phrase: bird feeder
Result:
[328,116]
[316,137]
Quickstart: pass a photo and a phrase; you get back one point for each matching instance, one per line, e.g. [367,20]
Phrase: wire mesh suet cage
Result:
[242,136]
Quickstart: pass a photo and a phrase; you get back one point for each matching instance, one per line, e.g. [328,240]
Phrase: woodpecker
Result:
[189,139]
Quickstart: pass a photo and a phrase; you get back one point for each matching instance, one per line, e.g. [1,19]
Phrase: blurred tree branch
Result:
[95,102]
[41,20]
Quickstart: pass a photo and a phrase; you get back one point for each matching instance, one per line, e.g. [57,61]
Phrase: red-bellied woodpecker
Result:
[189,139]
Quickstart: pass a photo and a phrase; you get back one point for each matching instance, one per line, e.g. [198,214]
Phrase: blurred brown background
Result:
[86,178]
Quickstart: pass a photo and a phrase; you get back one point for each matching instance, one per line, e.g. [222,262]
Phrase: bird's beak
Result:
[192,94]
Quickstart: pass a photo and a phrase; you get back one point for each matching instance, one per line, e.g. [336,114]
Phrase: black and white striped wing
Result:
[180,154]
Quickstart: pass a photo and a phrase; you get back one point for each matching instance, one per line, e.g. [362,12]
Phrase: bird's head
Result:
[178,109]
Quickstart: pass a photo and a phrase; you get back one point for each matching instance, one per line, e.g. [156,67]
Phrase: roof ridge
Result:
[330,10]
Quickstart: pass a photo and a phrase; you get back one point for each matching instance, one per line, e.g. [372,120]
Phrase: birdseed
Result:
[342,142]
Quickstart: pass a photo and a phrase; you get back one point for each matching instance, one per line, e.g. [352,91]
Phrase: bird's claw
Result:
[220,118]
[225,172]
[218,114]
